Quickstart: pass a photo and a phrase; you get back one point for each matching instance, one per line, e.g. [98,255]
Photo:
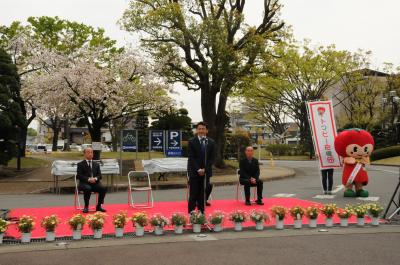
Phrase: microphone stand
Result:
[205,180]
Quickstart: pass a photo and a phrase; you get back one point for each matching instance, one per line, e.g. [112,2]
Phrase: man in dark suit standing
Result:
[89,175]
[200,161]
[250,175]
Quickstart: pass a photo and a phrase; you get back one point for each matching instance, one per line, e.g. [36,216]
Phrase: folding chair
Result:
[140,175]
[77,203]
[240,191]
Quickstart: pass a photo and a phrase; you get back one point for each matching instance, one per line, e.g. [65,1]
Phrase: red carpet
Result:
[165,208]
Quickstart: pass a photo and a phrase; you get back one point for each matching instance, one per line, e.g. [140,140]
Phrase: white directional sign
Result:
[157,140]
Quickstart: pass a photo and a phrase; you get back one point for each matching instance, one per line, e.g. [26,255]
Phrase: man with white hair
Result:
[89,175]
[249,171]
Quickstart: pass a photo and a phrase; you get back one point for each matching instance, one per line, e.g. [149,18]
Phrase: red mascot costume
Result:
[355,146]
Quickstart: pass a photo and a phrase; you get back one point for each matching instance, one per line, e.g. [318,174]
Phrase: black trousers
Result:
[89,188]
[259,184]
[327,179]
[196,193]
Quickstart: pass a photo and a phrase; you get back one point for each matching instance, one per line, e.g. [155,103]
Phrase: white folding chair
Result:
[240,191]
[77,203]
[140,175]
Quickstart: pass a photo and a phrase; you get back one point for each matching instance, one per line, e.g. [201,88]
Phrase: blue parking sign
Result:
[157,140]
[174,144]
[174,140]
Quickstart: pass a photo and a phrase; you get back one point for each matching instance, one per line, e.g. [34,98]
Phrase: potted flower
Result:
[3,228]
[374,210]
[344,215]
[216,219]
[25,226]
[139,220]
[158,221]
[329,211]
[238,217]
[312,214]
[49,223]
[278,212]
[119,221]
[178,220]
[96,222]
[360,211]
[259,217]
[197,219]
[297,213]
[76,223]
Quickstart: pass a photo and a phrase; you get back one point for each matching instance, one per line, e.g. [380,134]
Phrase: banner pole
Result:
[149,147]
[120,152]
[137,144]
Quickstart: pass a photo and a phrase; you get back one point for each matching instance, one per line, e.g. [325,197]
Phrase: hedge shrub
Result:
[386,152]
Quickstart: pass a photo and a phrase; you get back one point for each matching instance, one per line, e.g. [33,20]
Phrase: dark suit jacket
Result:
[248,169]
[83,171]
[196,160]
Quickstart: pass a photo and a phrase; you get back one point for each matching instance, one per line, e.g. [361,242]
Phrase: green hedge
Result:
[285,149]
[386,152]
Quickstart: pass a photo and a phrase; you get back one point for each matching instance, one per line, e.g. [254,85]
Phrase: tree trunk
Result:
[67,143]
[216,122]
[55,126]
[95,134]
[56,132]
[22,141]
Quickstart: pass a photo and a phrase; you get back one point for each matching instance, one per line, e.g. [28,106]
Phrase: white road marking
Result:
[338,188]
[203,237]
[372,199]
[283,195]
[324,197]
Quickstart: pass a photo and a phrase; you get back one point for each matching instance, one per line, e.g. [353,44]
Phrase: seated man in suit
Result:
[89,175]
[250,175]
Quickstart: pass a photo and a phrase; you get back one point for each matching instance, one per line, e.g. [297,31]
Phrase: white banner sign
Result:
[323,129]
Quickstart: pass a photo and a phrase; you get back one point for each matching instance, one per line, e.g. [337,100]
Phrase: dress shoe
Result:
[100,209]
[248,203]
[259,202]
[208,204]
[85,210]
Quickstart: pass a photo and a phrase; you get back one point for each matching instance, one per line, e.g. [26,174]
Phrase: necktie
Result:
[91,169]
[203,148]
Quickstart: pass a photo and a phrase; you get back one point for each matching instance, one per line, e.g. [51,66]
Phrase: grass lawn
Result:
[105,155]
[388,161]
[28,162]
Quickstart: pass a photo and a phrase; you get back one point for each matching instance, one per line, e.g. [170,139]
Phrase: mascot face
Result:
[354,143]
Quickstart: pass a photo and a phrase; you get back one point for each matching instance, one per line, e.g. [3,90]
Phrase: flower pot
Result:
[217,228]
[196,228]
[79,227]
[25,237]
[259,226]
[298,223]
[328,222]
[76,234]
[97,233]
[1,238]
[360,221]
[375,221]
[178,229]
[344,222]
[139,230]
[158,230]
[119,232]
[238,226]
[50,236]
[312,223]
[279,224]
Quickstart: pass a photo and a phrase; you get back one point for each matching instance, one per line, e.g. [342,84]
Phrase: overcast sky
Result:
[350,24]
